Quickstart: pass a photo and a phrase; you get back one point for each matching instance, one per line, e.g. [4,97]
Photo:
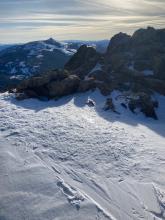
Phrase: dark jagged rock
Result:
[143,102]
[109,105]
[124,105]
[41,80]
[83,61]
[119,42]
[144,50]
[53,84]
[148,36]
[64,87]
[117,55]
[90,103]
[87,84]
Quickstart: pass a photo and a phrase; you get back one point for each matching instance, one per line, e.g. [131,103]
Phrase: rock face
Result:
[52,85]
[119,43]
[83,61]
[144,50]
[87,84]
[66,86]
[38,81]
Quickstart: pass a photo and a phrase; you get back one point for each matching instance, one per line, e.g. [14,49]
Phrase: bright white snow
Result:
[40,46]
[66,160]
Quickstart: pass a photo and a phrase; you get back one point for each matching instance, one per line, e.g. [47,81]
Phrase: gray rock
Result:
[87,84]
[143,102]
[64,87]
[83,61]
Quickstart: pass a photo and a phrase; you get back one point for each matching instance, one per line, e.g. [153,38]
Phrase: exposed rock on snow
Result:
[90,103]
[109,105]
[143,102]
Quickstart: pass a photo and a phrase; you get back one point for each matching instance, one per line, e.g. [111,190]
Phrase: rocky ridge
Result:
[134,65]
[21,61]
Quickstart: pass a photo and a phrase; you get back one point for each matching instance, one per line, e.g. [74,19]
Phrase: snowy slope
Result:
[21,61]
[65,160]
[33,57]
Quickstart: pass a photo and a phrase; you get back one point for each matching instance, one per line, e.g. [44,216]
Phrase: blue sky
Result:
[27,20]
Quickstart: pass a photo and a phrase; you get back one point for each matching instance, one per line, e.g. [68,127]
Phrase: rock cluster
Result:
[144,103]
[144,50]
[54,84]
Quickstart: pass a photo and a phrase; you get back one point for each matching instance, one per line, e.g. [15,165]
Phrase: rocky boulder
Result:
[87,84]
[43,79]
[90,103]
[83,61]
[144,103]
[109,105]
[54,84]
[64,87]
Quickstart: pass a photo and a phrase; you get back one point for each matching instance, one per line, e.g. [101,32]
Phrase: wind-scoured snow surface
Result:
[64,160]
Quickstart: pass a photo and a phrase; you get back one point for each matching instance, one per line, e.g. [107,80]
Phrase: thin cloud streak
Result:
[27,20]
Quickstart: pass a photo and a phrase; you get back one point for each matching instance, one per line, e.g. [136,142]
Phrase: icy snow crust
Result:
[62,160]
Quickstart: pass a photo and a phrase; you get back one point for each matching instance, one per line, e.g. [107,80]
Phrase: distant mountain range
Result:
[20,61]
[100,46]
[4,46]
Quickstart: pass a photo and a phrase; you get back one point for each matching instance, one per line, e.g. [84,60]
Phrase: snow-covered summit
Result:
[48,45]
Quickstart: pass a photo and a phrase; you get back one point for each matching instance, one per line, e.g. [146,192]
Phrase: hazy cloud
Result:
[25,20]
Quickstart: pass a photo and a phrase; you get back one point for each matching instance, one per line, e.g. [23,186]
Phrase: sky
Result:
[28,20]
